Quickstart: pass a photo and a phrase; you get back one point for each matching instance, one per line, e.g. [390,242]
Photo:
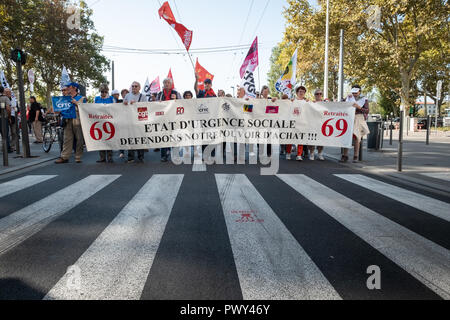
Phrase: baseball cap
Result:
[356,89]
[115,92]
[73,84]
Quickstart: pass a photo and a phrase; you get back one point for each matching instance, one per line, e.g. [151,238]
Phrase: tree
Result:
[275,72]
[41,28]
[392,56]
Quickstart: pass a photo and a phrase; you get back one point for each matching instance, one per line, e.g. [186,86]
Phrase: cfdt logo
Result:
[180,111]
[272,109]
[142,114]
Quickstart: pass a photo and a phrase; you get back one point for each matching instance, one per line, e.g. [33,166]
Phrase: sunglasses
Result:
[104,91]
[135,86]
[319,94]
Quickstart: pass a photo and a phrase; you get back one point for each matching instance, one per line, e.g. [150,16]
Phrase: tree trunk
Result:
[48,95]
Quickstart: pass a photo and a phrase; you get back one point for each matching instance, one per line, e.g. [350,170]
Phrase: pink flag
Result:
[155,87]
[251,60]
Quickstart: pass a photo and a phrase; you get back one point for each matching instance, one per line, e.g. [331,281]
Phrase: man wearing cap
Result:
[208,92]
[72,128]
[116,95]
[5,100]
[361,104]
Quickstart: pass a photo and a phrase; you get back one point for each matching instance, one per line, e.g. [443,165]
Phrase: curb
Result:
[25,166]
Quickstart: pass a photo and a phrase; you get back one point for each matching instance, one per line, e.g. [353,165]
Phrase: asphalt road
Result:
[157,231]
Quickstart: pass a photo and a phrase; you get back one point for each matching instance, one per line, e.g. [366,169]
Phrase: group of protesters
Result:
[73,136]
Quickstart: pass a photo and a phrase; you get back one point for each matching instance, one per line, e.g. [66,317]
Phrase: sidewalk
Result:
[38,156]
[422,164]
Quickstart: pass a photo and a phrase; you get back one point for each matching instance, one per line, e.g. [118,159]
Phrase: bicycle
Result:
[53,132]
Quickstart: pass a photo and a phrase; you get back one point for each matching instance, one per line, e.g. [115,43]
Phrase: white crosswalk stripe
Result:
[21,225]
[426,204]
[117,264]
[438,175]
[13,186]
[271,264]
[423,259]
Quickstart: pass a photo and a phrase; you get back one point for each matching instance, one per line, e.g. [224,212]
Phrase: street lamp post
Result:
[327,32]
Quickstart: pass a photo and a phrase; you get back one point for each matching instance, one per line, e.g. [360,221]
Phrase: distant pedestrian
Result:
[361,104]
[5,100]
[36,119]
[12,122]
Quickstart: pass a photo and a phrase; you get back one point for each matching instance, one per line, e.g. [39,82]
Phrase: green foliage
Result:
[41,28]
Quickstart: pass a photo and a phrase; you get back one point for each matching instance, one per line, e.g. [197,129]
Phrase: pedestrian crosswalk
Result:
[289,238]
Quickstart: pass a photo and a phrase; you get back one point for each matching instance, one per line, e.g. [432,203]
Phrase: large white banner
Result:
[215,120]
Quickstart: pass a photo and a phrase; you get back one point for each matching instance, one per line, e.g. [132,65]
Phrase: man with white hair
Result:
[12,124]
[168,93]
[133,97]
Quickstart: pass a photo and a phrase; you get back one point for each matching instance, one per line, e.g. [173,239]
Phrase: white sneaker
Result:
[121,156]
[311,157]
[288,157]
[321,158]
[299,158]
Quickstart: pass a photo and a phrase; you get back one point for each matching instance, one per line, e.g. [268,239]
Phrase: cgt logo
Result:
[142,114]
[202,109]
[272,109]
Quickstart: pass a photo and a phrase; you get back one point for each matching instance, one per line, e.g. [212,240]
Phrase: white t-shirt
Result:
[360,102]
[135,97]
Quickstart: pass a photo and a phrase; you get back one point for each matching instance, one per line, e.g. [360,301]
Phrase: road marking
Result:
[270,263]
[198,166]
[423,259]
[24,223]
[426,204]
[13,186]
[441,175]
[117,264]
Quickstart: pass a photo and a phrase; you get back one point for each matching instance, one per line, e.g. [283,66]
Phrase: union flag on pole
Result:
[171,77]
[203,74]
[251,60]
[166,13]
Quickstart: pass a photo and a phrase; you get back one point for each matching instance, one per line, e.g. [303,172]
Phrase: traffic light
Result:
[18,55]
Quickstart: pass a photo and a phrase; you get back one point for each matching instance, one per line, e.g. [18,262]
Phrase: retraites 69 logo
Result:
[142,114]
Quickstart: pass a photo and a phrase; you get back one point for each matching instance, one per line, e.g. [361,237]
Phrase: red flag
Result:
[251,60]
[171,77]
[186,35]
[203,74]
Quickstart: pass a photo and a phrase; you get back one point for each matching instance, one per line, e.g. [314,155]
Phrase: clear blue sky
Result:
[136,24]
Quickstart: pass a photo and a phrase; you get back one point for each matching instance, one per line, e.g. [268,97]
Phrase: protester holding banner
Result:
[361,104]
[131,98]
[300,95]
[116,95]
[168,93]
[318,97]
[221,94]
[105,98]
[72,127]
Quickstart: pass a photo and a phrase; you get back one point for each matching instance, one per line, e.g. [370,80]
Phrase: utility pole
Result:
[20,58]
[341,69]
[113,84]
[327,32]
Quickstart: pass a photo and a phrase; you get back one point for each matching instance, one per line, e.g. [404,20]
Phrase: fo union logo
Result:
[142,114]
[202,109]
[180,111]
